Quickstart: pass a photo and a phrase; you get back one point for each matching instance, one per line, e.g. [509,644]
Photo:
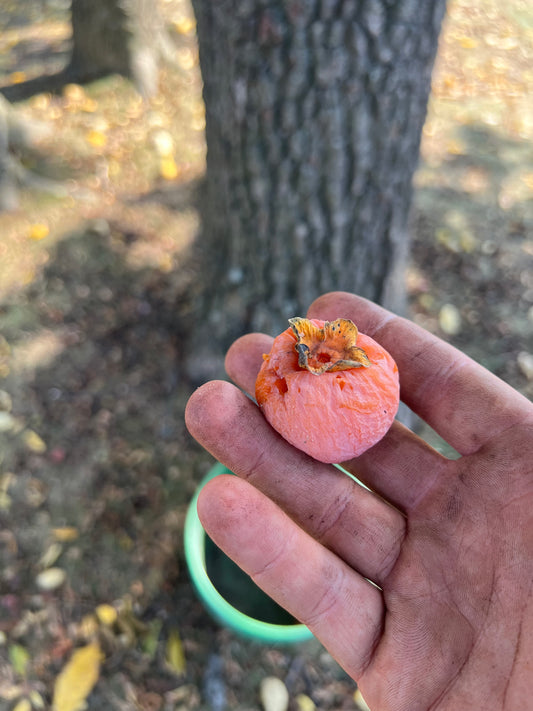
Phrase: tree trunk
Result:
[8,181]
[116,36]
[314,111]
[17,135]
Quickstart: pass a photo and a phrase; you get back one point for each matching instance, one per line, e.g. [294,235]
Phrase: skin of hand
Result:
[448,623]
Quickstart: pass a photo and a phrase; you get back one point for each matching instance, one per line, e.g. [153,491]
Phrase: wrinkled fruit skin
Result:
[334,416]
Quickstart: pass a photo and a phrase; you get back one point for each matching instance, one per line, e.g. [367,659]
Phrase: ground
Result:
[96,469]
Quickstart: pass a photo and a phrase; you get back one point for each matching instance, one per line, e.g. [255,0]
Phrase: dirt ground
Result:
[96,469]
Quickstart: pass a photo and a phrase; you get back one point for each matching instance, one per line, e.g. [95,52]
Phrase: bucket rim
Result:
[216,604]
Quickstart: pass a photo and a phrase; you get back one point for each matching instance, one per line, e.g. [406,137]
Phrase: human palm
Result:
[448,544]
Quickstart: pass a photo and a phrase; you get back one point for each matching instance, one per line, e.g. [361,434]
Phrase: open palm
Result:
[447,621]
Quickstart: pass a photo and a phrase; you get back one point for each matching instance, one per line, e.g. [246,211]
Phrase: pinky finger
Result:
[342,609]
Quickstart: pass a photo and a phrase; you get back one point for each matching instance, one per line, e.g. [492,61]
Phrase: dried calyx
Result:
[329,348]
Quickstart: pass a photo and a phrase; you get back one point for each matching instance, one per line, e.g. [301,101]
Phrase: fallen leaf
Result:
[273,694]
[106,614]
[89,105]
[150,640]
[50,555]
[34,442]
[361,703]
[184,26]
[37,700]
[468,42]
[450,319]
[174,654]
[525,363]
[163,142]
[39,231]
[6,402]
[51,579]
[73,92]
[22,705]
[7,422]
[77,678]
[168,168]
[97,139]
[19,658]
[65,534]
[17,77]
[88,626]
[305,703]
[9,692]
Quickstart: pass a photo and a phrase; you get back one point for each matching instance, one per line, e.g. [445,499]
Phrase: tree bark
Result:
[8,182]
[314,111]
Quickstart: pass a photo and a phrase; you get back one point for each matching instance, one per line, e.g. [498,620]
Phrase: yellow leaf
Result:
[77,678]
[106,614]
[168,168]
[73,92]
[41,101]
[39,231]
[22,705]
[175,655]
[455,147]
[96,138]
[450,319]
[184,25]
[305,703]
[468,42]
[34,442]
[89,105]
[51,554]
[88,626]
[17,77]
[65,534]
[37,700]
[361,703]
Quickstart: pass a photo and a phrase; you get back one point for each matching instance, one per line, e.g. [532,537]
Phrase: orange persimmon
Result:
[324,394]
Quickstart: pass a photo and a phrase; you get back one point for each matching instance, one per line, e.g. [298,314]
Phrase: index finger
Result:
[461,400]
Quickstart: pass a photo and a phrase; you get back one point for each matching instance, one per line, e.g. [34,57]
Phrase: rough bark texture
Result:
[314,111]
[116,36]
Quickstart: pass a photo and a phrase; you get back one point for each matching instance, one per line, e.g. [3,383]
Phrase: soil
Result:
[96,468]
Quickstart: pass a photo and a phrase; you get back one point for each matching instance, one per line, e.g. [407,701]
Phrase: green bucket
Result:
[211,572]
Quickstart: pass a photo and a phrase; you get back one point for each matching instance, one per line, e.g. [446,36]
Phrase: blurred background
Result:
[100,220]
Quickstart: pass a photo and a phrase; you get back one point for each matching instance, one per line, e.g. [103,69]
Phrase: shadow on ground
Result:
[472,250]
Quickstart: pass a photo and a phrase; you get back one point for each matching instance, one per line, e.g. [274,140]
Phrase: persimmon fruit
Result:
[327,389]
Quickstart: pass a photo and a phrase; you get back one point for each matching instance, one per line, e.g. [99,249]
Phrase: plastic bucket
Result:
[197,549]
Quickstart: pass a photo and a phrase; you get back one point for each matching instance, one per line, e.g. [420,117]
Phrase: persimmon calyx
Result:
[329,348]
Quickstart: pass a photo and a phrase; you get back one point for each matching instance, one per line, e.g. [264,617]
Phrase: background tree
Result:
[126,37]
[314,113]
[118,36]
[19,135]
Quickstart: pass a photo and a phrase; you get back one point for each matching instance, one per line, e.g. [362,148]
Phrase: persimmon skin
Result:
[334,416]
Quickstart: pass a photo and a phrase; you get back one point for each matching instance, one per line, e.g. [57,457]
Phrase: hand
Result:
[448,542]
